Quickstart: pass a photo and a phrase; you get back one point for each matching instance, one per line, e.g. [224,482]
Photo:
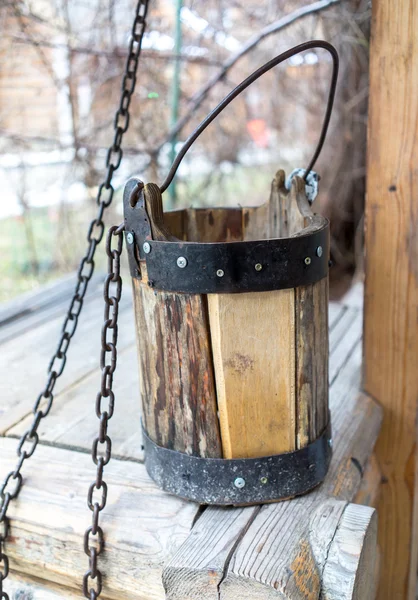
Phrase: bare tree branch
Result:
[275,27]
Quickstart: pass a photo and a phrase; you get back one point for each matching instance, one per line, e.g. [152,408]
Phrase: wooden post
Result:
[391,298]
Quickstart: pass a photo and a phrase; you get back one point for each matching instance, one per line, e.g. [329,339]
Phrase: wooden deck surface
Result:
[145,528]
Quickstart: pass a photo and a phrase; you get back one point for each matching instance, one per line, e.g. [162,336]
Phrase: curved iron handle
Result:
[247,82]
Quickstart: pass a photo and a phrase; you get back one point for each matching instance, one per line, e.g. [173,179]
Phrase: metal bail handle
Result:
[246,83]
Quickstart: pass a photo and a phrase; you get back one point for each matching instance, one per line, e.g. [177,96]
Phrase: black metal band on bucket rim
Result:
[241,481]
[233,267]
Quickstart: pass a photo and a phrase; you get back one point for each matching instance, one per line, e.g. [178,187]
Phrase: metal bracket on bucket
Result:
[239,481]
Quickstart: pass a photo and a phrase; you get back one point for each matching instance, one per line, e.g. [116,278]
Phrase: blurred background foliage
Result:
[61,63]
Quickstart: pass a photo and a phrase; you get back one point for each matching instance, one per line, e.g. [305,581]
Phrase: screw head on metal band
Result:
[146,246]
[319,251]
[129,238]
[182,262]
[220,273]
[239,483]
[308,260]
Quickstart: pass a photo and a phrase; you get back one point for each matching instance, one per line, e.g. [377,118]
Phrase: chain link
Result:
[113,288]
[102,445]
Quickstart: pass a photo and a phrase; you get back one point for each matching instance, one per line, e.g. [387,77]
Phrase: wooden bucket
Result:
[232,344]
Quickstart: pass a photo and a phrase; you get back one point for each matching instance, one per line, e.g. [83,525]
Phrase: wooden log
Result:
[350,568]
[391,290]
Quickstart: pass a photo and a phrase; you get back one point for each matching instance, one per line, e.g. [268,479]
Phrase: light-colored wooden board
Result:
[144,526]
[275,559]
[197,569]
[339,330]
[33,309]
[391,283]
[24,587]
[72,422]
[335,311]
[352,321]
[23,374]
[253,340]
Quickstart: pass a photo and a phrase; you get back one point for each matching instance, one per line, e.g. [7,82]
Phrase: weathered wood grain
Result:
[176,375]
[24,374]
[311,330]
[143,525]
[350,569]
[73,423]
[256,222]
[345,337]
[197,569]
[391,290]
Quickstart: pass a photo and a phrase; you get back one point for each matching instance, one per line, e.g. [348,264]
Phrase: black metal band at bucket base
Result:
[239,481]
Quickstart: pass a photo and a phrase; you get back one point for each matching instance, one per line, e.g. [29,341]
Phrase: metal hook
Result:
[247,82]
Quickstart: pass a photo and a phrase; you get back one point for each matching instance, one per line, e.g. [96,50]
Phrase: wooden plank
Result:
[175,361]
[213,540]
[31,310]
[214,224]
[73,423]
[254,348]
[143,525]
[391,292]
[253,342]
[24,587]
[352,321]
[176,376]
[311,394]
[285,548]
[23,375]
[335,310]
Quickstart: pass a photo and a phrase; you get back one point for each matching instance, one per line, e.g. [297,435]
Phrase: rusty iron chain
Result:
[11,486]
[102,445]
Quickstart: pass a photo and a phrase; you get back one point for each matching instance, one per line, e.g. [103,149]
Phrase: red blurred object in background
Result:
[258,132]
